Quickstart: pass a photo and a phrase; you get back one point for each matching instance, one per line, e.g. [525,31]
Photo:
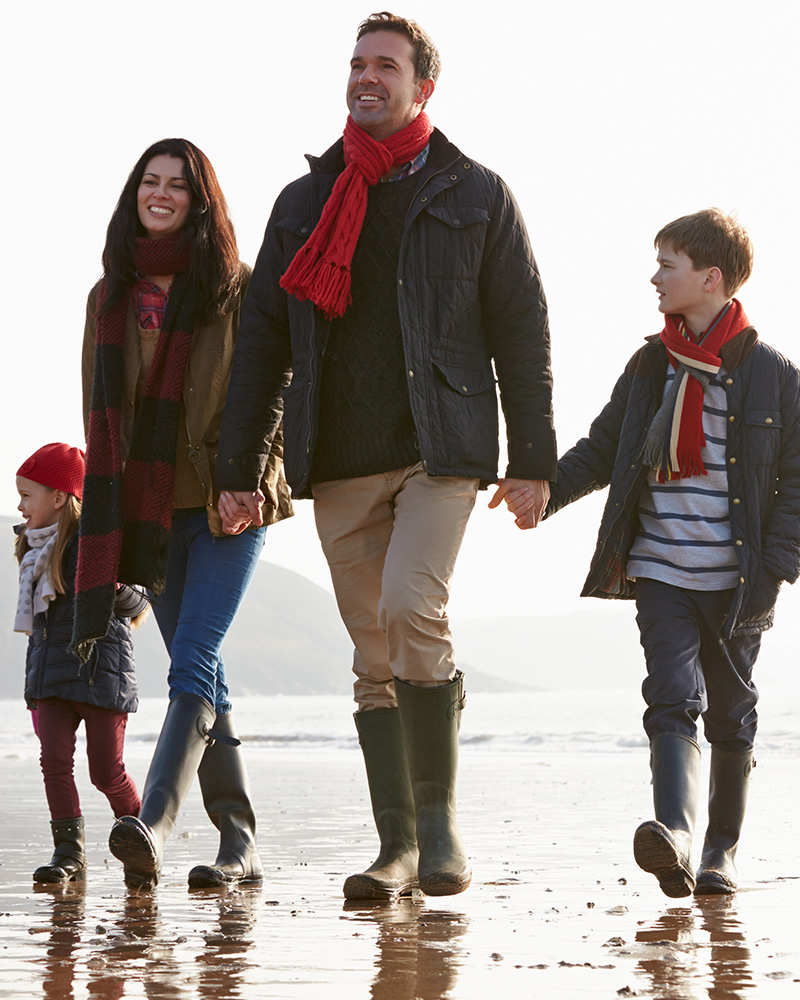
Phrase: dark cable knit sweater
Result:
[365,423]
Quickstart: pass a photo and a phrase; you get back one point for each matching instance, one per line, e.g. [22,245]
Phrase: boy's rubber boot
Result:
[727,801]
[138,841]
[69,860]
[226,796]
[431,717]
[664,846]
[394,871]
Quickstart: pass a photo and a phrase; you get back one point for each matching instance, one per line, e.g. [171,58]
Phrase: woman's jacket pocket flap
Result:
[763,418]
[459,218]
[466,381]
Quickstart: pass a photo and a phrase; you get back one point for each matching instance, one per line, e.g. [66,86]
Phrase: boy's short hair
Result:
[711,239]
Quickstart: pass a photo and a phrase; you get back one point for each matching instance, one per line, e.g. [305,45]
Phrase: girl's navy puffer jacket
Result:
[108,678]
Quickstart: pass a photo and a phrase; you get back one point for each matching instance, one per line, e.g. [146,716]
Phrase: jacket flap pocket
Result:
[297,224]
[460,217]
[467,381]
[763,418]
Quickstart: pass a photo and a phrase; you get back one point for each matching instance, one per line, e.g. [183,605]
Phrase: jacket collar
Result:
[733,354]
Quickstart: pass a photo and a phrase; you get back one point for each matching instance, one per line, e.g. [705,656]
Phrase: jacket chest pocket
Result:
[455,238]
[295,230]
[763,436]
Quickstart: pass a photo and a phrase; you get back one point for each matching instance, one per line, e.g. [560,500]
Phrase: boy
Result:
[700,444]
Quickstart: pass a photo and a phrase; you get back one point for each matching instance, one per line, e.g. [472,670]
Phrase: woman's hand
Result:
[239,509]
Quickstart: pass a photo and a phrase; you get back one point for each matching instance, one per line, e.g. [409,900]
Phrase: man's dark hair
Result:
[427,62]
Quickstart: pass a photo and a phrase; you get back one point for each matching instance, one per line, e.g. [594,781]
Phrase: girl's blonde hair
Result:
[67,526]
[54,567]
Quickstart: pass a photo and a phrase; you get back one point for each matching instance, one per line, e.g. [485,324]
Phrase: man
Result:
[389,280]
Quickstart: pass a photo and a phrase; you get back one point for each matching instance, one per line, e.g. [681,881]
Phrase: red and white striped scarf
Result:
[677,452]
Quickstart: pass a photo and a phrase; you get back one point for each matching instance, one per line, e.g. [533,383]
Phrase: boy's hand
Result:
[238,509]
[525,498]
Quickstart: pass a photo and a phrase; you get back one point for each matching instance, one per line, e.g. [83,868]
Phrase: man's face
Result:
[383,93]
[679,286]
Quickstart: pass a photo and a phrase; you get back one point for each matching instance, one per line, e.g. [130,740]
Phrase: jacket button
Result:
[467,166]
[464,388]
[741,579]
[739,541]
[410,373]
[736,501]
[399,281]
[304,229]
[191,388]
[634,465]
[732,461]
[453,177]
[728,381]
[529,444]
[731,419]
[424,198]
[230,461]
[768,420]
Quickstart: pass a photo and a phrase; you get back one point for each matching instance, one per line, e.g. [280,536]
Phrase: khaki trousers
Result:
[391,541]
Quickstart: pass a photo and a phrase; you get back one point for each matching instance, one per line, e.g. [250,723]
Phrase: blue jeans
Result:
[691,672]
[207,577]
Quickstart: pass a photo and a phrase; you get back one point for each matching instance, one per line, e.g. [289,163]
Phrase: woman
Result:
[160,332]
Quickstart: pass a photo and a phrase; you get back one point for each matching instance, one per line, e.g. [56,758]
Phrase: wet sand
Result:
[557,908]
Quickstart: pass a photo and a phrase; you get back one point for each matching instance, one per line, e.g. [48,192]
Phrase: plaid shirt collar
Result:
[412,166]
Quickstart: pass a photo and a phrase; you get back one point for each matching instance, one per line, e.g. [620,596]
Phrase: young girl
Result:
[60,689]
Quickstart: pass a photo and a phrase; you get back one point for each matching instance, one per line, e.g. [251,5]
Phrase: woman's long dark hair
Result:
[215,270]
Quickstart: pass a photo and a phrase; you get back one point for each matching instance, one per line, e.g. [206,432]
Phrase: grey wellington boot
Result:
[431,717]
[138,842]
[394,871]
[664,846]
[727,802]
[226,796]
[69,860]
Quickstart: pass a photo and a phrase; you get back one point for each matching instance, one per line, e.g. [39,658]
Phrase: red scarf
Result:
[320,270]
[684,438]
[126,517]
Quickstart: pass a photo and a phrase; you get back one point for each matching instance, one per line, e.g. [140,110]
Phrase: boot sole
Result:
[209,877]
[54,876]
[445,883]
[713,884]
[130,844]
[655,853]
[364,886]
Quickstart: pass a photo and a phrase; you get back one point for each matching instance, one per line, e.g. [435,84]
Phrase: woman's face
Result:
[163,197]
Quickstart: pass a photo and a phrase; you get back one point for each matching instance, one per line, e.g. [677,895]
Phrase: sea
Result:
[538,722]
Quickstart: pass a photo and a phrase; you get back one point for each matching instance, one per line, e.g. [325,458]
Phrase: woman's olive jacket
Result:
[204,391]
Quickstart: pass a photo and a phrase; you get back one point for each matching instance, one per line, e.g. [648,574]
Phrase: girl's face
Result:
[39,505]
[163,198]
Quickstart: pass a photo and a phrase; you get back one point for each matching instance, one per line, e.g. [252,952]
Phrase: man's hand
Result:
[525,498]
[238,509]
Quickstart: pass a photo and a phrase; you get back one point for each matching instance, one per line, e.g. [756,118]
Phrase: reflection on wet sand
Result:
[697,951]
[417,951]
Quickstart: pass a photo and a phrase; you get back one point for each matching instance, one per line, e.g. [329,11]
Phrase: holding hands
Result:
[525,498]
[238,509]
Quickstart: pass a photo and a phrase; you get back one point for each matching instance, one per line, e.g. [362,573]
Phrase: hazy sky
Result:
[607,120]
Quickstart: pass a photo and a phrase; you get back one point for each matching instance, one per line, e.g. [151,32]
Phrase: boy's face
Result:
[680,288]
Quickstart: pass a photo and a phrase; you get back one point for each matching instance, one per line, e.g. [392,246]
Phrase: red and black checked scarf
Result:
[675,439]
[320,270]
[126,516]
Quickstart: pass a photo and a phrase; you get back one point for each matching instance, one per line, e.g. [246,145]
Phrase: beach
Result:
[557,907]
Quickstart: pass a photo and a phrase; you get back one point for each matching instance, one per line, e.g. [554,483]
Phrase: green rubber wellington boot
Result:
[664,846]
[727,801]
[431,717]
[394,871]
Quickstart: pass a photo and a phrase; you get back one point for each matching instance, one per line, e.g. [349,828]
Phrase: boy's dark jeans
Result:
[690,672]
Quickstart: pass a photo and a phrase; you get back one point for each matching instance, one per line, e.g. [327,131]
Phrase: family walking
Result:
[395,294]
